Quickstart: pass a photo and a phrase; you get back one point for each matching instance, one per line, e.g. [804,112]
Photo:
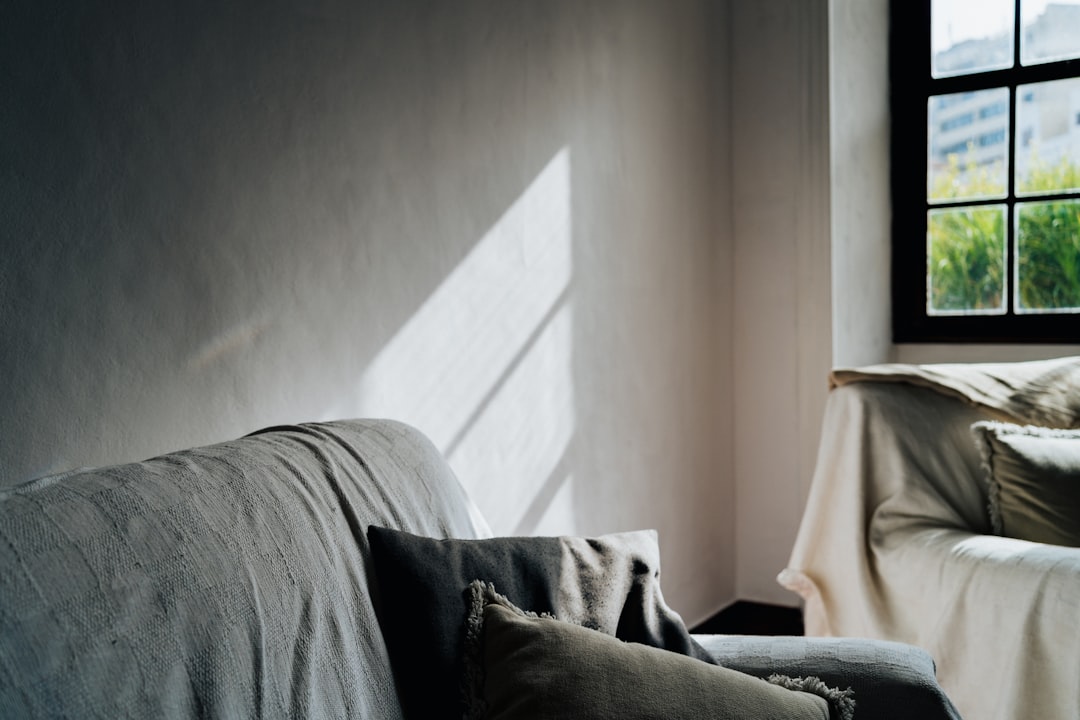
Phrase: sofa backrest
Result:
[921,463]
[231,580]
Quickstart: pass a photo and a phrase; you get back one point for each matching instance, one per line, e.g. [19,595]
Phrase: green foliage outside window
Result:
[966,261]
[970,180]
[1049,252]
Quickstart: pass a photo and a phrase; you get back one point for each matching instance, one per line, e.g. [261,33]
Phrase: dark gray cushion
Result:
[523,667]
[892,681]
[609,583]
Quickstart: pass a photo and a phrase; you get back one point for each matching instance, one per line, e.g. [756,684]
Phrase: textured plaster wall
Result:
[859,164]
[503,221]
[782,310]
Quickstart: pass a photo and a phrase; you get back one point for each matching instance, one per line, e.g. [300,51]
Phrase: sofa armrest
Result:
[892,681]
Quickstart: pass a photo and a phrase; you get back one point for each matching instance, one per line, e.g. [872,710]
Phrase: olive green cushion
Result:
[519,665]
[1033,476]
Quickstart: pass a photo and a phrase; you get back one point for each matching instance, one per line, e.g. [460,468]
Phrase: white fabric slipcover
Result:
[894,541]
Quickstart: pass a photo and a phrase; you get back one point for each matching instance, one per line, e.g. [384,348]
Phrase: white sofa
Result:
[896,539]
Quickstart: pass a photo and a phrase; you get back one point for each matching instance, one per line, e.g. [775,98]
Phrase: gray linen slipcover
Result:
[235,581]
[224,581]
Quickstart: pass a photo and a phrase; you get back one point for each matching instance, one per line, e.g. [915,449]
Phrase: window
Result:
[985,105]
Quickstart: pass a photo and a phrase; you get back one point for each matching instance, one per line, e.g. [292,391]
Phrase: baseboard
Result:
[744,617]
[705,617]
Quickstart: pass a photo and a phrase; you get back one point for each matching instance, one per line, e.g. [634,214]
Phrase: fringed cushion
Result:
[519,666]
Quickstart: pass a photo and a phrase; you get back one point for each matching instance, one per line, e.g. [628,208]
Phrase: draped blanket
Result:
[895,542]
[222,581]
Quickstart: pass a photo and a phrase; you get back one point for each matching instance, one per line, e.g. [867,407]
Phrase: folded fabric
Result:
[1033,476]
[609,583]
[1038,392]
[520,666]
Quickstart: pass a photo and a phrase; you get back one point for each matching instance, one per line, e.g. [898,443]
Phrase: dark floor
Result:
[750,618]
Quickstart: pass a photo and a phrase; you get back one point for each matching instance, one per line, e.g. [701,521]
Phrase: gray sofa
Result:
[235,580]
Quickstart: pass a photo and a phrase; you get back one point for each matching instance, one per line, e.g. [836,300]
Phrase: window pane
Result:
[966,145]
[970,36]
[1051,30]
[1048,137]
[1048,256]
[965,259]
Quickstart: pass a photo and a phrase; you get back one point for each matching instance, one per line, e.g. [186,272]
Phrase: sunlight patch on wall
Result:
[516,443]
[484,367]
[557,516]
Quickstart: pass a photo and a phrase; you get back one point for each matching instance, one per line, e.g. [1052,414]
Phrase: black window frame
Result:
[910,87]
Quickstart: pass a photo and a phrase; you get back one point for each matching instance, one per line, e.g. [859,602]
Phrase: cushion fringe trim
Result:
[842,702]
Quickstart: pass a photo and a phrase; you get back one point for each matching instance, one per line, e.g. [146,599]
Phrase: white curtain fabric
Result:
[894,541]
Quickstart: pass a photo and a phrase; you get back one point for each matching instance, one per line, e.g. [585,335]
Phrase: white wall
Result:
[859,182]
[783,332]
[504,221]
[604,253]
